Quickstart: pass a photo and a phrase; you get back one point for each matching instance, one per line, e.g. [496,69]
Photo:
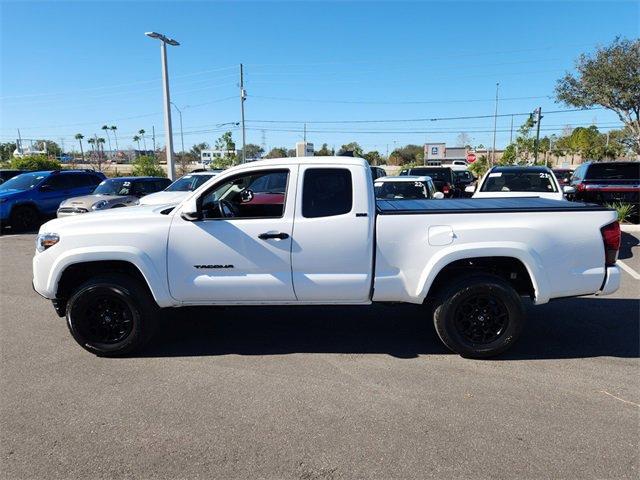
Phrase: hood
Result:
[87,201]
[102,218]
[164,198]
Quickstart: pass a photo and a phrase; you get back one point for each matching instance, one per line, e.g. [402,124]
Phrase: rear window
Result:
[613,171]
[437,174]
[519,181]
[326,192]
[401,190]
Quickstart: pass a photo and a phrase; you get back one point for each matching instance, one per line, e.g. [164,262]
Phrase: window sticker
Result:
[495,174]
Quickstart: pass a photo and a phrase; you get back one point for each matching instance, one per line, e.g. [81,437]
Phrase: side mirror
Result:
[190,211]
[438,195]
[568,190]
[470,188]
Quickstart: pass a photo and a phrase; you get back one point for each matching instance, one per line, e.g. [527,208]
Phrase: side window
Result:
[79,180]
[258,194]
[326,192]
[59,182]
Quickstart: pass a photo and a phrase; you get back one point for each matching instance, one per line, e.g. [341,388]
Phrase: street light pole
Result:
[495,122]
[181,134]
[171,169]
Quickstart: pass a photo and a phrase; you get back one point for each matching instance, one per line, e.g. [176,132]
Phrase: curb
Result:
[626,227]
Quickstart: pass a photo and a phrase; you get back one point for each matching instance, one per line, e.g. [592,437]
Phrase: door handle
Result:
[279,236]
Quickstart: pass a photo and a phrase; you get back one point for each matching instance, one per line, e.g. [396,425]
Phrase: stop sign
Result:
[471,157]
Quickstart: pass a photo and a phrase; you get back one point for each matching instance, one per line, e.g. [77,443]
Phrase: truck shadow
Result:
[571,328]
[627,242]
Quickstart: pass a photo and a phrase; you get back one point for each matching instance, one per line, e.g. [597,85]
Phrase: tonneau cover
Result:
[481,205]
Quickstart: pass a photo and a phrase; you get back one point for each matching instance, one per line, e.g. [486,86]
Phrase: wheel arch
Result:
[520,267]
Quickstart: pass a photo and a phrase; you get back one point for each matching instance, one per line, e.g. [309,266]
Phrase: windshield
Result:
[613,171]
[439,174]
[26,181]
[114,186]
[519,181]
[188,183]
[401,190]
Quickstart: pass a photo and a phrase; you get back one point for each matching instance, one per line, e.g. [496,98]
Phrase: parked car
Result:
[178,190]
[28,197]
[330,242]
[606,182]
[378,172]
[6,174]
[442,177]
[563,175]
[406,187]
[113,193]
[514,181]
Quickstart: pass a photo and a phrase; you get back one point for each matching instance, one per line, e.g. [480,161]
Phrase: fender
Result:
[156,280]
[520,251]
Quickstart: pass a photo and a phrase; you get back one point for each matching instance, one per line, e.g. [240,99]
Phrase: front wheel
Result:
[479,316]
[111,315]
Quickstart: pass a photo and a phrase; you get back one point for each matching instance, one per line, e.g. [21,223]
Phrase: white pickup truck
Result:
[303,231]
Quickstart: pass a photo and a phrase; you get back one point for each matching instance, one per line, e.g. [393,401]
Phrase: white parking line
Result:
[629,270]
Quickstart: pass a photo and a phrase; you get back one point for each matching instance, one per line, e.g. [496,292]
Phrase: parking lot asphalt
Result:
[319,393]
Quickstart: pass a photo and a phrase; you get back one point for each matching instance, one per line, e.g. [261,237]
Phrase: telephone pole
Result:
[153,138]
[511,134]
[538,113]
[495,123]
[243,97]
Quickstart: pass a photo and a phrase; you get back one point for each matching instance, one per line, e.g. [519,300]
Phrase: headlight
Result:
[100,205]
[46,240]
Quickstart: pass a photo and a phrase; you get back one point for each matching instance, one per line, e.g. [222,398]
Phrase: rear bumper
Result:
[611,281]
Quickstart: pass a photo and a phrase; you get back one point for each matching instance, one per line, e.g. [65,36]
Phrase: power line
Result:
[401,102]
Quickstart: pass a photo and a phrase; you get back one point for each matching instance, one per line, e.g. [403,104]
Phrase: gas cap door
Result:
[440,235]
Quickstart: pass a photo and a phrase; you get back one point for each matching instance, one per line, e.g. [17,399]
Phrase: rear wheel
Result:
[24,219]
[479,316]
[111,315]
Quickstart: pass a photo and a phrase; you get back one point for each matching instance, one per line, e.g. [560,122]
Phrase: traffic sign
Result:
[471,157]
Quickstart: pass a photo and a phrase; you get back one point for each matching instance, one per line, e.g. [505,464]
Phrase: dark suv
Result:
[26,198]
[443,178]
[606,182]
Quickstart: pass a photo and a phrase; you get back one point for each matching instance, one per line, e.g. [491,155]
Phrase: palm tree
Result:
[136,139]
[92,142]
[100,141]
[144,142]
[113,128]
[106,129]
[79,137]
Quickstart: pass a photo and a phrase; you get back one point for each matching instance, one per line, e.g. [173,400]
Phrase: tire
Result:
[24,218]
[112,315]
[479,316]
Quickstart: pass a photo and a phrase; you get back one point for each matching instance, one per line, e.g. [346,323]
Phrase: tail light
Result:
[611,239]
[581,187]
[446,188]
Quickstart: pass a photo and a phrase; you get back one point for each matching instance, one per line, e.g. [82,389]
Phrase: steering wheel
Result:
[227,209]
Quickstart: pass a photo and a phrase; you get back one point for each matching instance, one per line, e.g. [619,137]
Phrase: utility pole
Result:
[181,133]
[20,150]
[304,135]
[511,135]
[538,113]
[243,96]
[153,139]
[495,122]
[171,168]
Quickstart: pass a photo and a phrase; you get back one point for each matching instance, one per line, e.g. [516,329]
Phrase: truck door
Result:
[332,249]
[240,251]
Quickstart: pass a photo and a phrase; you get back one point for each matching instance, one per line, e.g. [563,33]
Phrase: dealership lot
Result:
[320,393]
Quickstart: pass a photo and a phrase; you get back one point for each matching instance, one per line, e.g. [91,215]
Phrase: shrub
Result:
[147,166]
[35,162]
[624,210]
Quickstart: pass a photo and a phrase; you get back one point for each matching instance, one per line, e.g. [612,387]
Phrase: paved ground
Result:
[319,393]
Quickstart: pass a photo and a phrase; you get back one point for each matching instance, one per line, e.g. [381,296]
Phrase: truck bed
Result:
[482,205]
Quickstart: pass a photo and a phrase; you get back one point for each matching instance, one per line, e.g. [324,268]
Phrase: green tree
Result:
[407,155]
[226,144]
[196,150]
[136,138]
[324,151]
[141,132]
[35,162]
[609,78]
[353,147]
[277,152]
[147,166]
[480,166]
[6,151]
[253,151]
[373,157]
[113,128]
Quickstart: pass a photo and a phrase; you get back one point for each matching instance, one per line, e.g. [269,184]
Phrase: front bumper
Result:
[611,281]
[70,211]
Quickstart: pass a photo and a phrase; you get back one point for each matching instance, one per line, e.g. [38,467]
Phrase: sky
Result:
[383,74]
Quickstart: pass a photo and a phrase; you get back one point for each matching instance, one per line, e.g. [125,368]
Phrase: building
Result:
[304,149]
